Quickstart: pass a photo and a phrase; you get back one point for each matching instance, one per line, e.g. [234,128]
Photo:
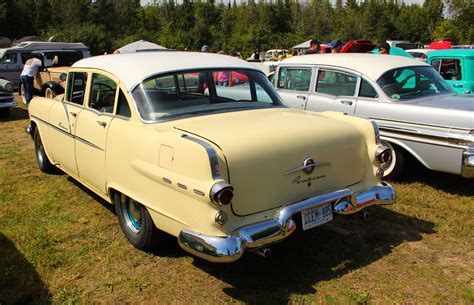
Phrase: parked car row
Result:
[203,147]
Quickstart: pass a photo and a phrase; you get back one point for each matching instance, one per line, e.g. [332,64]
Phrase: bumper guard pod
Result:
[226,249]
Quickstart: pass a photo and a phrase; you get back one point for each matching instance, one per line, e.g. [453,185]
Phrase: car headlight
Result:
[8,87]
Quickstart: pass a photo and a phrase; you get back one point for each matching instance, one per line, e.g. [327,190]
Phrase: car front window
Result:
[203,91]
[412,82]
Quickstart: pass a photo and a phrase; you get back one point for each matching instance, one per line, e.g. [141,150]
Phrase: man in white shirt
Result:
[30,69]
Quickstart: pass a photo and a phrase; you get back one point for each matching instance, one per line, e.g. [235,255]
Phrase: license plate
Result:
[316,216]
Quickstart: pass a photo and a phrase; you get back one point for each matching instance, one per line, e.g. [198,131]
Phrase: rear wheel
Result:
[135,222]
[394,168]
[41,158]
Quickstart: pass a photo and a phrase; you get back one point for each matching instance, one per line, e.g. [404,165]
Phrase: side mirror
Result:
[63,76]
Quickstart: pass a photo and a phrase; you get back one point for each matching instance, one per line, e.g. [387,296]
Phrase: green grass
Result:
[59,243]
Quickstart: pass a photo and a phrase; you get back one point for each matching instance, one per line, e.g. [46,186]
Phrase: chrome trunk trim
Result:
[467,166]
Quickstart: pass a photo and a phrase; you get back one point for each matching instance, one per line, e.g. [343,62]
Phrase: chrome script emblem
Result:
[308,166]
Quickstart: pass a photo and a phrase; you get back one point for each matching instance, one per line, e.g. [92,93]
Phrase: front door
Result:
[91,131]
[334,91]
[451,69]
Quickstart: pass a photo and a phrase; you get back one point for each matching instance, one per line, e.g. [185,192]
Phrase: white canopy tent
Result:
[140,46]
[303,45]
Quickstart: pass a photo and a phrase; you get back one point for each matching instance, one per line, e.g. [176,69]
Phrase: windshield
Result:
[412,82]
[204,91]
[60,59]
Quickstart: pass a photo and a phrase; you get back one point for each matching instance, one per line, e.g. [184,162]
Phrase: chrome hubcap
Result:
[133,215]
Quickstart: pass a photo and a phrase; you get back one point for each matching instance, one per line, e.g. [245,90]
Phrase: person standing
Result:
[336,46]
[27,75]
[384,48]
[314,47]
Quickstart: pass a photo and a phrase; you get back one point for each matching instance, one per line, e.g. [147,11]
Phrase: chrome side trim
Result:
[213,161]
[67,133]
[452,137]
[226,249]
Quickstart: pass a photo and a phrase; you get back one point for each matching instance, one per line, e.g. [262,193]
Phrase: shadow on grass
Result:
[449,183]
[320,254]
[15,114]
[19,281]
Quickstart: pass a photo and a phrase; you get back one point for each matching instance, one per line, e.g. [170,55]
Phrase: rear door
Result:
[293,84]
[334,90]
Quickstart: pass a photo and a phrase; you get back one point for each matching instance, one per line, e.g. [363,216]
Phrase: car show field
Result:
[61,243]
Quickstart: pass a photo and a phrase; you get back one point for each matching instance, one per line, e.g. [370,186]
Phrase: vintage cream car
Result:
[225,172]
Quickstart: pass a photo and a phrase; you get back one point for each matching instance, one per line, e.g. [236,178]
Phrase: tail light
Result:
[383,154]
[222,193]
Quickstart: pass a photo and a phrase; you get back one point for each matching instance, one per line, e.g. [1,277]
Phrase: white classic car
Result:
[223,171]
[417,112]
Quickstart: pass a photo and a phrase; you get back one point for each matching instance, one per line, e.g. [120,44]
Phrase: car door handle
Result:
[62,126]
[301,97]
[457,85]
[346,102]
[102,123]
[73,114]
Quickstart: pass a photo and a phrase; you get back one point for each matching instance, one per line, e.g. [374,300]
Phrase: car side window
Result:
[102,97]
[450,69]
[10,58]
[336,83]
[122,105]
[296,79]
[76,87]
[25,57]
[366,90]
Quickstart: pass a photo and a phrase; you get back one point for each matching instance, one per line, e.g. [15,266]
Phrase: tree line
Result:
[104,25]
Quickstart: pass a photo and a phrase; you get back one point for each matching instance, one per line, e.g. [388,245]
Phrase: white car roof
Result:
[133,68]
[371,65]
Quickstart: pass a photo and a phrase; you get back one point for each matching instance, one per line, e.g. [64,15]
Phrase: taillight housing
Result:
[383,155]
[221,193]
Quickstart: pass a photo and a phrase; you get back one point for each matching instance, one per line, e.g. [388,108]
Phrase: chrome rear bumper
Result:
[226,249]
[9,103]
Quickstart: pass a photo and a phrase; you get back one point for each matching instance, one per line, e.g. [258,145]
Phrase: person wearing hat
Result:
[384,48]
[336,46]
[313,47]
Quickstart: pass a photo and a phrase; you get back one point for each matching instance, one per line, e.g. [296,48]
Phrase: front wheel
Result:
[135,222]
[394,168]
[41,158]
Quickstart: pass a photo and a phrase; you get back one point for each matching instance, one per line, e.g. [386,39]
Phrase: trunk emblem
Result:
[307,167]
